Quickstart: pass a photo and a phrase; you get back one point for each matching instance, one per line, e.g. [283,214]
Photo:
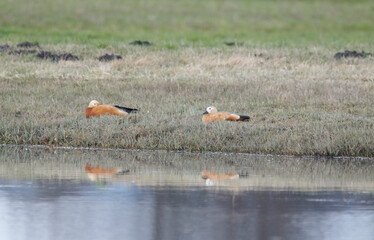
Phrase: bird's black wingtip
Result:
[243,175]
[122,172]
[244,118]
[128,110]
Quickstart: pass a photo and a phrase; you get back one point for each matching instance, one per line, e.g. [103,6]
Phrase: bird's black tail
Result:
[122,172]
[128,110]
[243,175]
[244,118]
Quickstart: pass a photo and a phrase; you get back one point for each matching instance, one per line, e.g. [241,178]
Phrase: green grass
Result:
[301,100]
[198,23]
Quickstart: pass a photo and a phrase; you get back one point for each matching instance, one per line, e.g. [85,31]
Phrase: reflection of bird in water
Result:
[95,172]
[215,176]
[210,177]
[208,182]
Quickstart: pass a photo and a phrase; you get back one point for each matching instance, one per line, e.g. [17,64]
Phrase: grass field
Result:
[174,23]
[302,101]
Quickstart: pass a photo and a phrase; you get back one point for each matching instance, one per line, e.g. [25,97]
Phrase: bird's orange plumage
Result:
[212,115]
[96,110]
[104,110]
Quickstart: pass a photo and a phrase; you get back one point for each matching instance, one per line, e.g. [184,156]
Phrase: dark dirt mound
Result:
[28,45]
[57,57]
[21,52]
[140,43]
[353,54]
[230,44]
[259,55]
[109,57]
[68,57]
[4,47]
[48,55]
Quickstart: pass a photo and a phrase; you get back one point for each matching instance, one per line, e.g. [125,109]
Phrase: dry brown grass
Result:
[301,102]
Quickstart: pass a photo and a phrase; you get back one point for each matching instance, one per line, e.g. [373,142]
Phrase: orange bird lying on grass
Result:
[95,110]
[97,172]
[212,115]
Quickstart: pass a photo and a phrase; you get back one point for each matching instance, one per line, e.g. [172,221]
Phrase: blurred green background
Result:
[173,23]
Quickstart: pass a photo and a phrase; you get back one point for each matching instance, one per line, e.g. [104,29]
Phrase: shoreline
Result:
[184,152]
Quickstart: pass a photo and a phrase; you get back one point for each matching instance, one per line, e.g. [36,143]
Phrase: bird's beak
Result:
[205,113]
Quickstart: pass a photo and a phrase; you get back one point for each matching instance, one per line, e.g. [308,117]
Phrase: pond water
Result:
[49,193]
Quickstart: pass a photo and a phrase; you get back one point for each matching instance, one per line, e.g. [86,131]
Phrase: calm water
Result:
[51,194]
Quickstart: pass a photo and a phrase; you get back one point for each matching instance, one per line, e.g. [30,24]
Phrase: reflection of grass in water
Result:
[160,168]
[101,183]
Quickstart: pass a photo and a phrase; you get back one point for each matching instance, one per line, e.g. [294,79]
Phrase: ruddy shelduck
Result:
[212,115]
[96,172]
[95,110]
